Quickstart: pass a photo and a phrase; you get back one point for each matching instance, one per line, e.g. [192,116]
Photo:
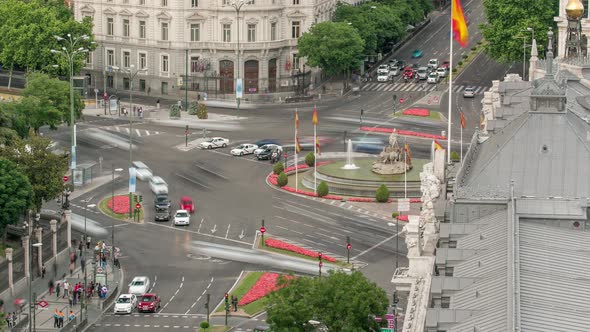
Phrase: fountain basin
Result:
[363,182]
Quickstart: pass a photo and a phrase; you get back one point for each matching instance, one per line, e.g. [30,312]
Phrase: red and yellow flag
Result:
[314,117]
[462,120]
[408,153]
[297,145]
[317,145]
[437,146]
[459,24]
[296,120]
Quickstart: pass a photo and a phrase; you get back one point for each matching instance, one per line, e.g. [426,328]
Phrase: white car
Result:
[142,172]
[125,304]
[243,149]
[139,285]
[432,78]
[214,142]
[383,69]
[469,92]
[433,64]
[395,70]
[158,185]
[422,73]
[383,77]
[267,146]
[441,72]
[182,217]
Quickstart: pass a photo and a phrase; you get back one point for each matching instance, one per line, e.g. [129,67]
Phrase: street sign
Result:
[239,88]
[132,174]
[66,178]
[43,304]
[138,206]
[403,204]
[262,229]
[99,270]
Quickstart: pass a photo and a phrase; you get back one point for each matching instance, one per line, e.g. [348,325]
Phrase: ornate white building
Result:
[200,37]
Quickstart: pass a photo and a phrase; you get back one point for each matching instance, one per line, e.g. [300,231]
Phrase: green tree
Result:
[43,168]
[507,19]
[334,47]
[340,301]
[382,194]
[278,168]
[455,156]
[202,112]
[174,111]
[49,99]
[310,159]
[7,132]
[282,180]
[323,189]
[15,193]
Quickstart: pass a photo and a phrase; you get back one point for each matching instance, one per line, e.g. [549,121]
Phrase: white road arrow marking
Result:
[214,229]
[241,236]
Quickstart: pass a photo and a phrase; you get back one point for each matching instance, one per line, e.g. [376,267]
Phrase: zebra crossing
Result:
[416,87]
[137,132]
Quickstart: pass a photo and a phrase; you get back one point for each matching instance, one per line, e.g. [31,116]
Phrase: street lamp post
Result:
[131,72]
[71,51]
[32,297]
[237,5]
[85,303]
[113,209]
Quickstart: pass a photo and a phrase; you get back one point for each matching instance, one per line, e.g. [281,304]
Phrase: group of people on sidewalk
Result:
[59,317]
[11,319]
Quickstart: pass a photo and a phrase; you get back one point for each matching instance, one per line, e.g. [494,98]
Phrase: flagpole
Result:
[461,144]
[406,171]
[315,158]
[295,154]
[450,85]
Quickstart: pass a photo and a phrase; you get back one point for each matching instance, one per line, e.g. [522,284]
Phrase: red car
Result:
[149,303]
[186,203]
[446,64]
[408,73]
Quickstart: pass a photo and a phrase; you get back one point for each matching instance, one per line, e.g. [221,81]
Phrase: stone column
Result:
[68,218]
[53,224]
[39,238]
[8,252]
[26,249]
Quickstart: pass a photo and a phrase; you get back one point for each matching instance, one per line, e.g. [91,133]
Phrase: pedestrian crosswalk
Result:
[417,87]
[136,132]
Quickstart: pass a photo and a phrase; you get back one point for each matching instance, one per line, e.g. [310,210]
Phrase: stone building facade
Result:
[198,37]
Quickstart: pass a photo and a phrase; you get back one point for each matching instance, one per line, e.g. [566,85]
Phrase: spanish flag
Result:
[296,120]
[408,153]
[317,145]
[437,146]
[459,25]
[462,120]
[314,117]
[297,145]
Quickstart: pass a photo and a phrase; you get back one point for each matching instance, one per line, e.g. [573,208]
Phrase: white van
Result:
[143,172]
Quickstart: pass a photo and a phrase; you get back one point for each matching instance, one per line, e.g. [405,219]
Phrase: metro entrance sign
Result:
[43,304]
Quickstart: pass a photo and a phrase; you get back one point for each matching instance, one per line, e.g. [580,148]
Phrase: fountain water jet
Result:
[349,163]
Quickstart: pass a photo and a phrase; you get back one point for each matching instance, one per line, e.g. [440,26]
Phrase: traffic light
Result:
[226,298]
[140,198]
[320,256]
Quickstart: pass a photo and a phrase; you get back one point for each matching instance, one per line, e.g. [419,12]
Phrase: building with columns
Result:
[199,38]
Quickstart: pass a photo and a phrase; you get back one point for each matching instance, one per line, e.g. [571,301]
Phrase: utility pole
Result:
[207,306]
[186,82]
[320,263]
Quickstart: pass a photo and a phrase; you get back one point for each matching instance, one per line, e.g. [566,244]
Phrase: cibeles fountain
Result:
[361,174]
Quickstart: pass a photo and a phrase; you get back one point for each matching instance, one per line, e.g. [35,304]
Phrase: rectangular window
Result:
[227,33]
[195,32]
[126,83]
[295,61]
[273,31]
[125,28]
[445,302]
[164,3]
[164,88]
[251,32]
[142,2]
[295,29]
[194,64]
[126,59]
[110,82]
[225,2]
[449,270]
[194,3]
[142,85]
[110,57]
[89,56]
[295,2]
[142,60]
[164,31]
[452,244]
[164,63]
[110,26]
[142,29]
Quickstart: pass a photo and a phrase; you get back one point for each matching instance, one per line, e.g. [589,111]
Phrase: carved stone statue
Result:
[391,159]
[430,186]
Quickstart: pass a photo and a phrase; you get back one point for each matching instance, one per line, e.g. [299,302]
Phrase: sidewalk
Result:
[43,317]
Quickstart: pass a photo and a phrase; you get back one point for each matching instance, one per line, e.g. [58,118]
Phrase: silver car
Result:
[422,73]
[469,92]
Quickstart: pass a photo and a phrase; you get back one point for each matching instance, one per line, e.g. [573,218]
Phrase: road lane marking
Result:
[227,233]
[375,246]
[201,224]
[285,228]
[192,180]
[211,172]
[138,133]
[195,232]
[202,294]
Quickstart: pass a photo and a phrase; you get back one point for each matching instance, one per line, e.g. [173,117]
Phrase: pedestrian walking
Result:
[66,289]
[88,240]
[72,315]
[9,320]
[141,113]
[158,104]
[43,271]
[57,289]
[51,285]
[104,292]
[55,318]
[234,301]
[14,318]
[61,319]
[83,264]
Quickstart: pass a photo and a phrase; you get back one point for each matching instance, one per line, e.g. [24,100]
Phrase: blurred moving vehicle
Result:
[371,145]
[158,185]
[186,203]
[139,285]
[417,53]
[142,172]
[266,146]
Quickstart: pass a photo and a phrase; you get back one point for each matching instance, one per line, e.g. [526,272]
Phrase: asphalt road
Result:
[231,197]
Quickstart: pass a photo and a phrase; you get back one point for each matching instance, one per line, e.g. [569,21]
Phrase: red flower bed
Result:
[416,112]
[415,200]
[403,217]
[121,204]
[402,132]
[266,284]
[290,247]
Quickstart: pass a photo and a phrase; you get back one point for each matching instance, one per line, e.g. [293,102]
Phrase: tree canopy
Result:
[27,30]
[508,20]
[334,47]
[43,168]
[340,301]
[15,193]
